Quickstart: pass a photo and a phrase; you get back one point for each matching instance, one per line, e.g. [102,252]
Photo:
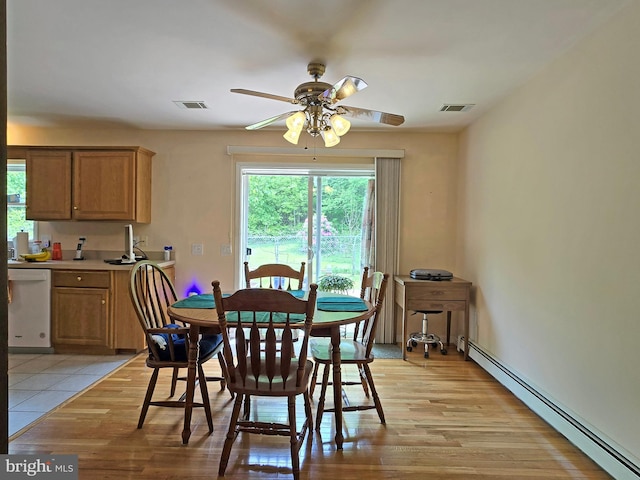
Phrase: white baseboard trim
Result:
[609,457]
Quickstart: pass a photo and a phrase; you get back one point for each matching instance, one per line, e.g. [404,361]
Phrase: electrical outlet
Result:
[144,240]
[225,250]
[197,249]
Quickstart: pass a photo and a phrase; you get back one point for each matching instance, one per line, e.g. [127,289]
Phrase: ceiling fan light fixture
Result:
[319,116]
[292,136]
[339,124]
[296,121]
[330,137]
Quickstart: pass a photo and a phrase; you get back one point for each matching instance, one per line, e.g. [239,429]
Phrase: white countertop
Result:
[77,265]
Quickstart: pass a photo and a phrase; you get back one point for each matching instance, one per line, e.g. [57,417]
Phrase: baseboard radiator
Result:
[609,457]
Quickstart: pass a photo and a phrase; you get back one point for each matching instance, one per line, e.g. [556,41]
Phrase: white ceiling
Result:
[123,63]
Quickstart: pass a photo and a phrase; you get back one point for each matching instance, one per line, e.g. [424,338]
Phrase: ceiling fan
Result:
[320,115]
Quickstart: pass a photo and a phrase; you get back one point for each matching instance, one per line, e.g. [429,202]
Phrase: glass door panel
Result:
[276,226]
[277,206]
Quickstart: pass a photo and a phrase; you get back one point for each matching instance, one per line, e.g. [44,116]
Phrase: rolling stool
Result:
[424,336]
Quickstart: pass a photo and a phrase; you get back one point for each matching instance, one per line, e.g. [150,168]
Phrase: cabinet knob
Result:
[103,302]
[79,279]
[75,207]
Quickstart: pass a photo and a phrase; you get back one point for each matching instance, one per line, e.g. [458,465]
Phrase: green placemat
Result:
[297,293]
[341,304]
[204,300]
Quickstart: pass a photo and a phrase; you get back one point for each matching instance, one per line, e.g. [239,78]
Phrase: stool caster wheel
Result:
[409,348]
[443,351]
[414,343]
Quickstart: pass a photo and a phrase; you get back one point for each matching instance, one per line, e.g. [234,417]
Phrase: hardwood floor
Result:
[446,419]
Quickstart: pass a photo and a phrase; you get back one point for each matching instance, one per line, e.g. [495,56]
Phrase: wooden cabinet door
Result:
[48,185]
[80,316]
[104,185]
[128,333]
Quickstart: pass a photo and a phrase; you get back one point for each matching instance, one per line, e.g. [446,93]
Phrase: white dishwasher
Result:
[29,292]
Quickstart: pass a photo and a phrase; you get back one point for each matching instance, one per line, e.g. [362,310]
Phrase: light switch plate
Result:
[197,249]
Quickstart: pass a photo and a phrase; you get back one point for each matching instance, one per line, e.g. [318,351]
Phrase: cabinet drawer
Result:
[81,278]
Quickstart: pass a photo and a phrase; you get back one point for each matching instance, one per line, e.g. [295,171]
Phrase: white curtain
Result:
[387,224]
[368,251]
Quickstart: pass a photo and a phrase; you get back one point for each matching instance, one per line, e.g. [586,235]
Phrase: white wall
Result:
[549,230]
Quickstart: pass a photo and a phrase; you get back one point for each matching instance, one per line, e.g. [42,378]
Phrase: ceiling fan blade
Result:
[269,121]
[342,89]
[372,115]
[264,95]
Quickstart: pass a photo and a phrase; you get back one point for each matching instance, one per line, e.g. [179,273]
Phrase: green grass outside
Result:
[292,251]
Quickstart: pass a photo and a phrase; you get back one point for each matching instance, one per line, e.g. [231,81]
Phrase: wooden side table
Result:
[445,295]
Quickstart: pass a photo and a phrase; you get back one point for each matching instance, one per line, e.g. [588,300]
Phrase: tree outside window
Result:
[16,201]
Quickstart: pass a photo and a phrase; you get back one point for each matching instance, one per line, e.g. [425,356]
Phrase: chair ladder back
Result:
[144,295]
[267,274]
[371,324]
[153,285]
[161,295]
[369,291]
[364,285]
[262,354]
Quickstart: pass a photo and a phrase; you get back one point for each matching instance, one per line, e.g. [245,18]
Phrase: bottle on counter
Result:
[167,252]
[56,254]
[36,247]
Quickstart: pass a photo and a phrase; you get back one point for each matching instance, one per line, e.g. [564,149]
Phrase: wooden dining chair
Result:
[357,351]
[369,290]
[274,275]
[278,276]
[151,292]
[274,372]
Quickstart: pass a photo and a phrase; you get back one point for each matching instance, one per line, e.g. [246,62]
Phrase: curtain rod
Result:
[315,152]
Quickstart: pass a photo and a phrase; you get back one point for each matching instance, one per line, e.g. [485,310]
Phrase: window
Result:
[16,201]
[277,204]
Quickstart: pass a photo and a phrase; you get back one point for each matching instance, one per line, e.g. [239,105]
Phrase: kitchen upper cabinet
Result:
[74,183]
[48,185]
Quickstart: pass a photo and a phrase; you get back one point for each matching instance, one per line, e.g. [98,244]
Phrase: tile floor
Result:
[40,382]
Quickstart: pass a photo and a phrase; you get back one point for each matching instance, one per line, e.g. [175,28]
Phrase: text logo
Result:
[50,467]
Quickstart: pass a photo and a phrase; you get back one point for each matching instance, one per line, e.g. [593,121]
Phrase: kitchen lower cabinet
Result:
[81,319]
[92,313]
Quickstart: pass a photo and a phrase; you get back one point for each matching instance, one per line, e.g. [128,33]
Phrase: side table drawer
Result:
[436,293]
[444,305]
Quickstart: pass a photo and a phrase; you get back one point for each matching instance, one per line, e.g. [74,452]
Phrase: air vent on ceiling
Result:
[191,104]
[456,107]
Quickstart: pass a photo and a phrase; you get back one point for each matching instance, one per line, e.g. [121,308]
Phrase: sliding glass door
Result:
[321,216]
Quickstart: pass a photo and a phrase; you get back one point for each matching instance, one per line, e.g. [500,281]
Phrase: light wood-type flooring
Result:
[446,419]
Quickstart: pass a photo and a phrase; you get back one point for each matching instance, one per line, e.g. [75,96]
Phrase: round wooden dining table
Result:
[325,324]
